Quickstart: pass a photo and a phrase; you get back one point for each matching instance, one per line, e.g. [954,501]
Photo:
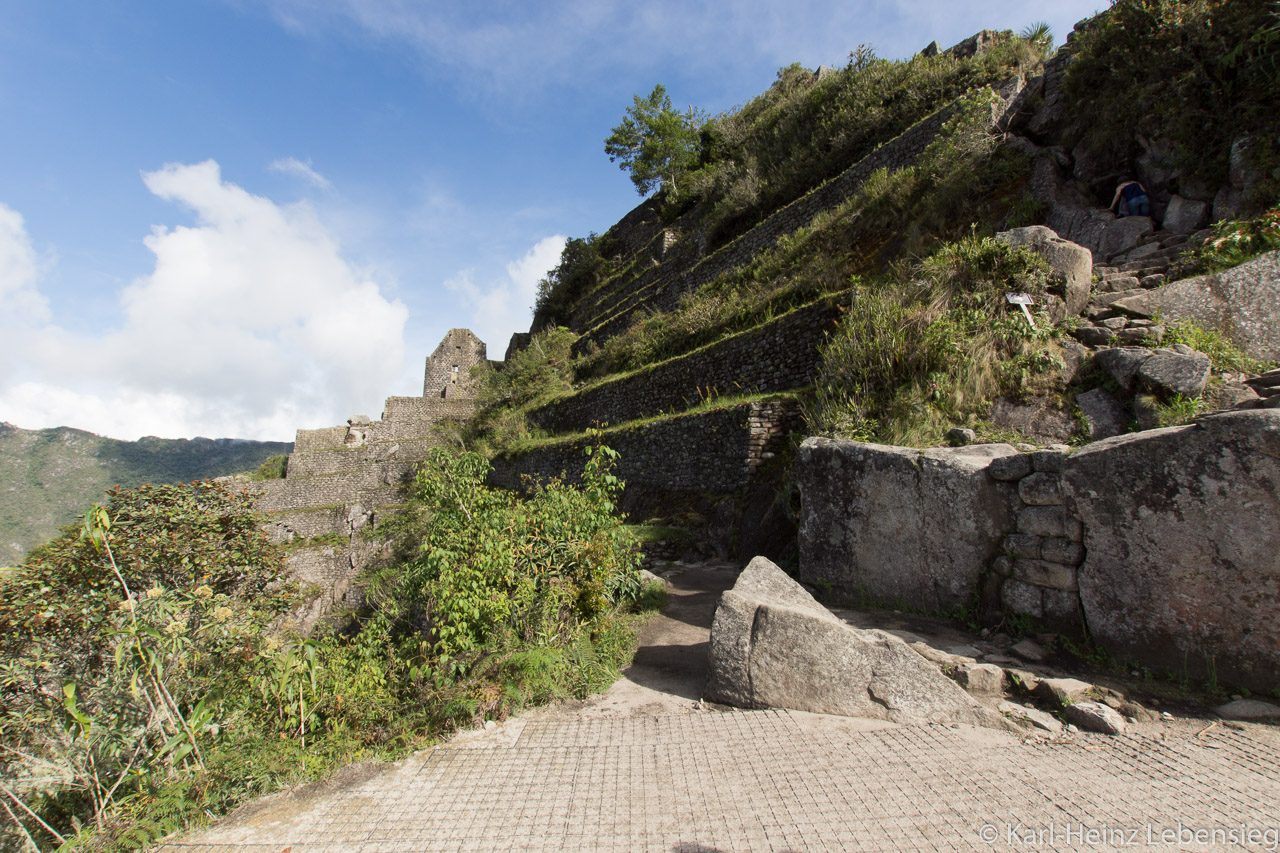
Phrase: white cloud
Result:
[20,301]
[294,166]
[504,306]
[250,325]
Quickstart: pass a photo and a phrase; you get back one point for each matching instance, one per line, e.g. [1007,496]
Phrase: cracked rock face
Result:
[774,646]
[1182,563]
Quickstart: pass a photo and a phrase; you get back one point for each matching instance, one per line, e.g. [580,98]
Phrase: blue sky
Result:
[240,217]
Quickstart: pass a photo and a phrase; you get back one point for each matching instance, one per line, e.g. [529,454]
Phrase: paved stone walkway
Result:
[646,767]
[775,780]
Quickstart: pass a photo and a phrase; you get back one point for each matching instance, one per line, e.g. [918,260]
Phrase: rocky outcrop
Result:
[1243,301]
[1072,264]
[912,526]
[1183,545]
[774,646]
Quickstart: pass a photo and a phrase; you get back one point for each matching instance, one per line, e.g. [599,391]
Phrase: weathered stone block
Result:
[980,680]
[1047,461]
[1173,373]
[773,646]
[1095,717]
[1185,216]
[1010,468]
[1041,521]
[1243,301]
[1023,546]
[1122,364]
[899,524]
[1070,262]
[1105,414]
[1183,550]
[1121,235]
[1045,574]
[1022,598]
[1039,489]
[1062,551]
[1062,607]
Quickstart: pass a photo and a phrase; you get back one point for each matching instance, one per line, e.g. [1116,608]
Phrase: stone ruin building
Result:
[340,479]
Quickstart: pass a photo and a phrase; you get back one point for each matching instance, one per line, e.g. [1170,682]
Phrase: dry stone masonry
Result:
[713,451]
[338,479]
[776,356]
[662,286]
[1164,544]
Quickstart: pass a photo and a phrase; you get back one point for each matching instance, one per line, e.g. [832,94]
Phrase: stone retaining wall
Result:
[310,463]
[362,485]
[893,155]
[715,451]
[776,356]
[1163,544]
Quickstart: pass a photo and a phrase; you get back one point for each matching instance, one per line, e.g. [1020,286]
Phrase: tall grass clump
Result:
[930,346]
[809,126]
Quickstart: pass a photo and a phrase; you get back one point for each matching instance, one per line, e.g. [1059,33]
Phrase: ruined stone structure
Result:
[339,479]
[448,374]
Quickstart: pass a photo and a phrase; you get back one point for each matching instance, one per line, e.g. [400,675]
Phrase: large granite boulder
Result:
[1243,301]
[1166,372]
[1182,537]
[901,525]
[1185,215]
[774,646]
[1072,264]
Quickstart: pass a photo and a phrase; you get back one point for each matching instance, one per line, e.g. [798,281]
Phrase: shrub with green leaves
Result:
[1193,75]
[576,275]
[529,378]
[129,646]
[1233,242]
[488,558]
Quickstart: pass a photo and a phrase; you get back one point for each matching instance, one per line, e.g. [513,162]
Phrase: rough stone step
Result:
[306,523]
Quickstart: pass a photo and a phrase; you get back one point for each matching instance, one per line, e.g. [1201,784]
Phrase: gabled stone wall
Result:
[339,478]
[448,372]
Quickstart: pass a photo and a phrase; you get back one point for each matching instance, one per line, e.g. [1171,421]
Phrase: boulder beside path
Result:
[774,646]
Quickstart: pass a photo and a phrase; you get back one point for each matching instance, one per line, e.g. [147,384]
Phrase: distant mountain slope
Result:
[49,476]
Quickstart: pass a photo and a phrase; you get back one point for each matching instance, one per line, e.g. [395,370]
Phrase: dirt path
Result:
[670,667]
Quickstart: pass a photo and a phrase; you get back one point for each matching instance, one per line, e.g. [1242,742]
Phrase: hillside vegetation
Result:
[156,671]
[927,344]
[49,476]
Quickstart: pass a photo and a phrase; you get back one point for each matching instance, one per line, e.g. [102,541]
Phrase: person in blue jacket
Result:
[1131,199]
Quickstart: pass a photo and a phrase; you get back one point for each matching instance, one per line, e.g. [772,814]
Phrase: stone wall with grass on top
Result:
[662,288]
[776,356]
[711,451]
[1162,544]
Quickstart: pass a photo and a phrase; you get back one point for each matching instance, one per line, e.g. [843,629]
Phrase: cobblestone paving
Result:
[777,781]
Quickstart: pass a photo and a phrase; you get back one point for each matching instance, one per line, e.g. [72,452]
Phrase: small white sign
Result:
[1022,300]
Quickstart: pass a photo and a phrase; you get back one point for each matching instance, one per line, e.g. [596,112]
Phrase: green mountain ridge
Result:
[49,476]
